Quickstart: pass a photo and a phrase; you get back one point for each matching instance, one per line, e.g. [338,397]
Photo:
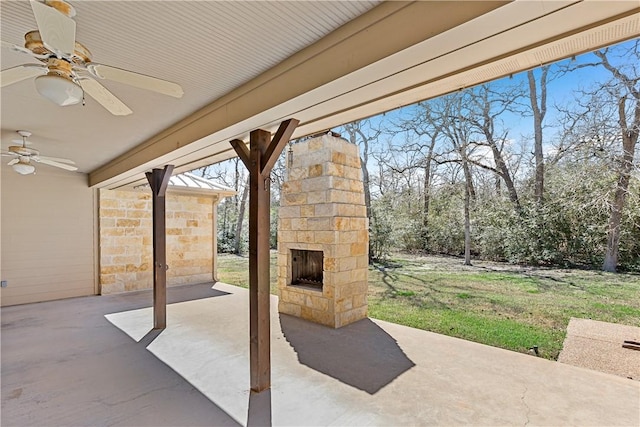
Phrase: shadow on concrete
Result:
[150,337]
[63,355]
[259,414]
[193,292]
[361,354]
[175,294]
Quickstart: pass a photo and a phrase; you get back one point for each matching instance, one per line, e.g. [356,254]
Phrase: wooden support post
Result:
[159,180]
[259,160]
[259,203]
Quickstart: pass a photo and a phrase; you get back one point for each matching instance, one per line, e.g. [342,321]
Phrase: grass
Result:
[495,304]
[234,269]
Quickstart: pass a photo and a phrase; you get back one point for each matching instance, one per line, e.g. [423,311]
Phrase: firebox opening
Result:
[306,268]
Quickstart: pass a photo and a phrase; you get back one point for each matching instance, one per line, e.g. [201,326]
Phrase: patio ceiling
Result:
[247,65]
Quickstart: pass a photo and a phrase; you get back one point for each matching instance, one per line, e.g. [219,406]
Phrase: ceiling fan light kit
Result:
[24,167]
[59,90]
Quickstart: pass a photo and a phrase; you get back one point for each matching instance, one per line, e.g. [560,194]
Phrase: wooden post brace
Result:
[259,159]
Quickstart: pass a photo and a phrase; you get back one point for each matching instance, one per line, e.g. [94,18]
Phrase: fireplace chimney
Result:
[323,237]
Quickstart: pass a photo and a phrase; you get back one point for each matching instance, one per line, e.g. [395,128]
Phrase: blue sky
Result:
[561,90]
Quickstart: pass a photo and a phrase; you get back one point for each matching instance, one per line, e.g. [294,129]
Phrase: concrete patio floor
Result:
[96,361]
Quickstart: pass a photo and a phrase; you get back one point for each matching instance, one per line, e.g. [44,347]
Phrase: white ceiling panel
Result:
[208,47]
[250,64]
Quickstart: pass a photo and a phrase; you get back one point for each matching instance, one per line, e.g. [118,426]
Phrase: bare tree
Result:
[486,107]
[467,225]
[241,210]
[362,134]
[627,92]
[622,91]
[458,130]
[539,109]
[428,131]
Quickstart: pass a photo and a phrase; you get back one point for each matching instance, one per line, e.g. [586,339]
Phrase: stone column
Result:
[323,209]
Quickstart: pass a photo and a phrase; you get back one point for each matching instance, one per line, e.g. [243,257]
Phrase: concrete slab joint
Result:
[322,209]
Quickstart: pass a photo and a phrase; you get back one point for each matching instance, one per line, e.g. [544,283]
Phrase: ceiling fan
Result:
[67,72]
[23,156]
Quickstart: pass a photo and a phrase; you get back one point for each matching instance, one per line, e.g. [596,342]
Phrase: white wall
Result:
[47,235]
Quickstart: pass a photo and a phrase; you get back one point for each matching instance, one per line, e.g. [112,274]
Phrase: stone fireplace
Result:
[323,237]
[307,268]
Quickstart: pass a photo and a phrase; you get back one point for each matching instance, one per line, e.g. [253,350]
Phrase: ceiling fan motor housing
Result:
[23,151]
[33,42]
[62,7]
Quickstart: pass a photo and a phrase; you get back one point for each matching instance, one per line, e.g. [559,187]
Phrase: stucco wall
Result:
[48,237]
[126,251]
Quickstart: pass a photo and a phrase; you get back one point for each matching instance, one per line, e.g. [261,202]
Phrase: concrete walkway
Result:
[598,345]
[94,361]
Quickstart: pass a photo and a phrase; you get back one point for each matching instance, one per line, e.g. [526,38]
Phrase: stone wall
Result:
[126,246]
[322,209]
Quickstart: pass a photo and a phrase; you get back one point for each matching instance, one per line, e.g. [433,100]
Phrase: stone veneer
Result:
[126,249]
[322,209]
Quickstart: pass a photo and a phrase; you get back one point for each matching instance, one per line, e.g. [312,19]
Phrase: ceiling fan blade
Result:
[58,31]
[135,79]
[7,45]
[19,73]
[54,163]
[13,162]
[53,159]
[16,48]
[105,98]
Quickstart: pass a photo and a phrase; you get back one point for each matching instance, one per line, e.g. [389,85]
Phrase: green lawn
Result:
[495,304]
[234,270]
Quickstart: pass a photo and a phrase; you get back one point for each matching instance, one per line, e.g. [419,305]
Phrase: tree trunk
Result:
[427,194]
[243,203]
[427,197]
[467,223]
[467,178]
[367,190]
[367,202]
[539,112]
[503,171]
[629,140]
[224,219]
[469,194]
[487,128]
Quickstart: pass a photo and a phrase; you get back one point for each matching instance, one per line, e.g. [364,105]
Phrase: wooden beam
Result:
[278,142]
[159,180]
[242,151]
[257,163]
